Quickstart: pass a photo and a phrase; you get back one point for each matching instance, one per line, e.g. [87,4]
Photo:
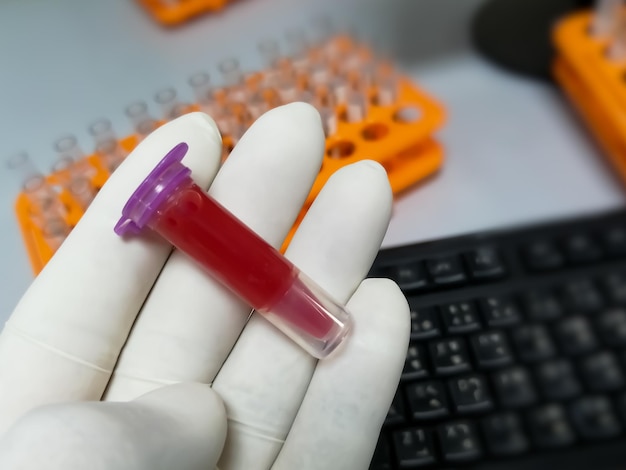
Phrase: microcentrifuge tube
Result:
[606,17]
[340,89]
[363,78]
[169,203]
[328,114]
[306,96]
[203,92]
[226,123]
[617,48]
[257,105]
[67,145]
[386,90]
[44,201]
[233,80]
[171,108]
[102,131]
[270,52]
[356,106]
[71,177]
[141,120]
[231,72]
[108,147]
[67,149]
[287,90]
[111,154]
[55,230]
[319,75]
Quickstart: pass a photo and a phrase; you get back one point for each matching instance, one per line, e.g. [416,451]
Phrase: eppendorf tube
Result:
[606,17]
[54,231]
[75,181]
[171,204]
[44,202]
[142,122]
[200,83]
[617,48]
[108,147]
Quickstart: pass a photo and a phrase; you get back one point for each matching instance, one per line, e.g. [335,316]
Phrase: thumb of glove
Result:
[181,426]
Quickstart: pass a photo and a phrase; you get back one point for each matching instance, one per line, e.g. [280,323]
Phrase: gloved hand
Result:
[124,355]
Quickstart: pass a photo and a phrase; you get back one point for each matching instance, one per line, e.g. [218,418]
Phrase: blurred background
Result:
[514,150]
[507,145]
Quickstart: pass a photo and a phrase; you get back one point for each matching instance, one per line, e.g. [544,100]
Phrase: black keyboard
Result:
[517,356]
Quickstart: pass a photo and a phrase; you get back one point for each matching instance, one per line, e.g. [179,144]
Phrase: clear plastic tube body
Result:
[232,253]
[187,217]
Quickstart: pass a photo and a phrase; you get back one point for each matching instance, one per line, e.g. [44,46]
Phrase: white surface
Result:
[514,152]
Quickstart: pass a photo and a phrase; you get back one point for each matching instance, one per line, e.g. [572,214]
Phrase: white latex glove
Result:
[90,355]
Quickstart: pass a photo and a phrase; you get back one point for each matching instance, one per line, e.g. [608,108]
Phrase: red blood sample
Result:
[236,256]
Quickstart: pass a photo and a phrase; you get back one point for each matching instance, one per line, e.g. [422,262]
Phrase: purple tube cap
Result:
[153,191]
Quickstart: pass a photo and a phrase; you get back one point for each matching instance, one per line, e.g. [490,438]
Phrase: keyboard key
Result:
[414,367]
[410,276]
[459,441]
[620,403]
[615,286]
[470,394]
[504,434]
[449,356]
[543,255]
[460,317]
[611,327]
[533,343]
[542,305]
[491,349]
[414,448]
[594,418]
[446,270]
[427,400]
[499,312]
[424,323]
[557,380]
[581,248]
[396,413]
[575,336]
[602,372]
[381,460]
[485,263]
[549,426]
[582,296]
[514,387]
[614,240]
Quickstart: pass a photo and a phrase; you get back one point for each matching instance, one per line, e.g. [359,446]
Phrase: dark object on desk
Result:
[517,357]
[516,34]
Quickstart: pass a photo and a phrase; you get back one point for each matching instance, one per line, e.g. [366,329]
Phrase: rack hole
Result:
[340,149]
[374,131]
